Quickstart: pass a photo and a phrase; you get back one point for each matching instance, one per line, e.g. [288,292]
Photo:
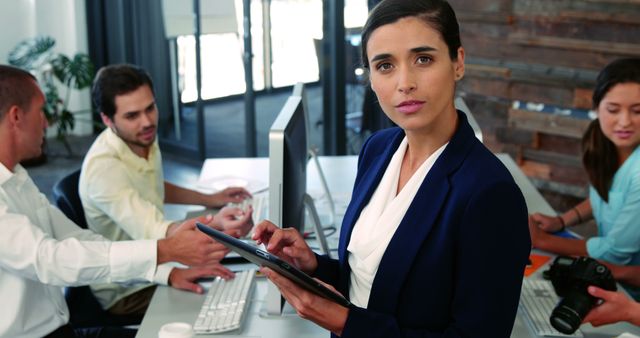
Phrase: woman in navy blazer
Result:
[448,260]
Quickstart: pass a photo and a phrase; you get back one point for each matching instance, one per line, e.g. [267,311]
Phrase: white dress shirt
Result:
[122,195]
[379,221]
[41,251]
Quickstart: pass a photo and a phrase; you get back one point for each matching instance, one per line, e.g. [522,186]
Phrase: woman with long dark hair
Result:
[611,158]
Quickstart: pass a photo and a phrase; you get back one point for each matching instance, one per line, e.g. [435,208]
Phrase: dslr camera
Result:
[570,278]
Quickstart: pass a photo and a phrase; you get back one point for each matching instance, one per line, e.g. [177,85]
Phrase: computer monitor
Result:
[288,198]
[288,165]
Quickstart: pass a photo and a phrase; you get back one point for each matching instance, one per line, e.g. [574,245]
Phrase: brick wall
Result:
[547,52]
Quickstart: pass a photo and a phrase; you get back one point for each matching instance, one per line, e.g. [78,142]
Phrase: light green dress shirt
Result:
[123,195]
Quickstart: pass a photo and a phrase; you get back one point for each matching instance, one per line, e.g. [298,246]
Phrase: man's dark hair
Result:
[115,80]
[17,88]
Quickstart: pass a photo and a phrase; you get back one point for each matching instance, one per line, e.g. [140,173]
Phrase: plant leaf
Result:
[60,64]
[52,102]
[77,73]
[32,53]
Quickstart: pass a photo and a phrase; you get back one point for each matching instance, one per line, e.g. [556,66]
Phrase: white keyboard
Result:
[225,304]
[537,301]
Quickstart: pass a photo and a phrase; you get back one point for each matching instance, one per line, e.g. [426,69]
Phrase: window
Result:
[221,60]
[294,26]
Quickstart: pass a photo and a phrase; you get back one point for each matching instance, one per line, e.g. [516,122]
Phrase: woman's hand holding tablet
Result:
[295,254]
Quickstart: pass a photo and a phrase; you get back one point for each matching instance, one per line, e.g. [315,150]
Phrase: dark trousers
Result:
[67,331]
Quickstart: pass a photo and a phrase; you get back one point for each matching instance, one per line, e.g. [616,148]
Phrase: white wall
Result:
[65,21]
[18,23]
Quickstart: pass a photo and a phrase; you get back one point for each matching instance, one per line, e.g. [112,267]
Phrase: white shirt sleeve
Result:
[28,251]
[162,273]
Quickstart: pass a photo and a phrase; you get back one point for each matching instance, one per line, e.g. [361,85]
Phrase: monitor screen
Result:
[288,157]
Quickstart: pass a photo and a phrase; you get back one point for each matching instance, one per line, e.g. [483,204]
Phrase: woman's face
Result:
[412,74]
[619,116]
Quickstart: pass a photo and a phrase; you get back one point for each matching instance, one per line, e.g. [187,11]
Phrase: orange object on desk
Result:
[536,262]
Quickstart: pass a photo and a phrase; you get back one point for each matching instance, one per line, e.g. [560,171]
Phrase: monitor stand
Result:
[274,304]
[317,226]
[325,186]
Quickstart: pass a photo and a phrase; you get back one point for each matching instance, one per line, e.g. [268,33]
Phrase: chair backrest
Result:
[460,104]
[84,309]
[67,198]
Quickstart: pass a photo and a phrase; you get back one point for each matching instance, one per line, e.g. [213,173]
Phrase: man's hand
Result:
[189,246]
[205,219]
[185,278]
[617,307]
[228,195]
[234,221]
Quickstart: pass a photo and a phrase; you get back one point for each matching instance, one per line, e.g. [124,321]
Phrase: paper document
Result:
[536,261]
[222,182]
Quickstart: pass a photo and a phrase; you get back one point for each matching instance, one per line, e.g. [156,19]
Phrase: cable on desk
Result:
[328,231]
[314,248]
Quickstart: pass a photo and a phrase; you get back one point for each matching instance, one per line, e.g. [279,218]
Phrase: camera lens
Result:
[565,320]
[568,314]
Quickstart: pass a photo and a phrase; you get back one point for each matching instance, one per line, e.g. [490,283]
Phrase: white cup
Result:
[176,330]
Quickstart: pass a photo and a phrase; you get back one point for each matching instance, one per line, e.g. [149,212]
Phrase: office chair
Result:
[67,198]
[84,308]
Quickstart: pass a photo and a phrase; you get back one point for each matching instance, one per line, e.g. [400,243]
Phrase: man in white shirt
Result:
[122,186]
[41,250]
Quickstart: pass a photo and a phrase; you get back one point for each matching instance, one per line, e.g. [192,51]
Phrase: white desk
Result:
[340,172]
[170,305]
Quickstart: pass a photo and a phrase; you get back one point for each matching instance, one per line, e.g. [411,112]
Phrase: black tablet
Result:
[263,258]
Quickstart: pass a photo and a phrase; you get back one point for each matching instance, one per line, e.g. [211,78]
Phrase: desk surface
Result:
[171,305]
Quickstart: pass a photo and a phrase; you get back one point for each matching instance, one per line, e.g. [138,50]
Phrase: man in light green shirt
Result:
[122,185]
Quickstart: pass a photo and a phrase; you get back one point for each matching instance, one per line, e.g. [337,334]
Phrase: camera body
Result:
[570,278]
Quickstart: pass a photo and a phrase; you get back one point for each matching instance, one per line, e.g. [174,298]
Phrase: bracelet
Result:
[561,222]
[577,213]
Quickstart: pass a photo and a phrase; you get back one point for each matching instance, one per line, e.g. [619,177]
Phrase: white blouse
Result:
[378,222]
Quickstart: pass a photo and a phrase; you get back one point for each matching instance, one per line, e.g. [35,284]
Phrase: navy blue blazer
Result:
[454,266]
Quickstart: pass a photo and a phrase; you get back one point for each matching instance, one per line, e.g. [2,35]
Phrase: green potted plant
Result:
[52,70]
